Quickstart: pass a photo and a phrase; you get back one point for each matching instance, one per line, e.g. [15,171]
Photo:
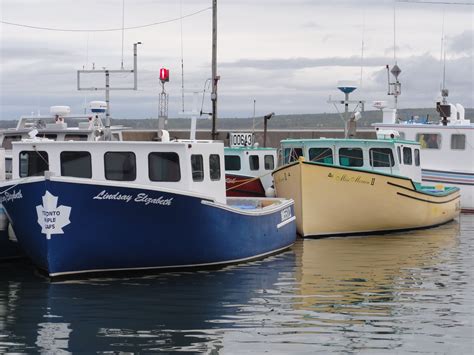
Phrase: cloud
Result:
[462,43]
[302,63]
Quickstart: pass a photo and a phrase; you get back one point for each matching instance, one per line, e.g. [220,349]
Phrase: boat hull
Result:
[463,180]
[9,249]
[334,200]
[244,186]
[68,226]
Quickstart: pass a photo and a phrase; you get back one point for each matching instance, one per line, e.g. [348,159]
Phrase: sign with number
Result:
[241,139]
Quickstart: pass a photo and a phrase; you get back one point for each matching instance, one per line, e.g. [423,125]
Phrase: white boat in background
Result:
[248,167]
[448,146]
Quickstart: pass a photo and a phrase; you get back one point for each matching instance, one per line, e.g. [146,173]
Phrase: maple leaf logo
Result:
[52,218]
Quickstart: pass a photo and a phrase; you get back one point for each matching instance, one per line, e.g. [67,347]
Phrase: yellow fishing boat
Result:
[350,186]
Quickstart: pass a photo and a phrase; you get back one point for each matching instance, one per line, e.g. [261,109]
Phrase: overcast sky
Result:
[288,55]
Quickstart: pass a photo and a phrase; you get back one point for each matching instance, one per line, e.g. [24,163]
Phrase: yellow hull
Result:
[334,200]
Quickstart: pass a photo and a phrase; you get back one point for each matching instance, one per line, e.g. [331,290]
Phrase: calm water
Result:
[410,292]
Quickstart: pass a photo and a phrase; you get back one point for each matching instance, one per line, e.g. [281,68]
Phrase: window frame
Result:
[404,156]
[391,158]
[196,171]
[416,156]
[76,151]
[288,157]
[218,167]
[424,143]
[353,158]
[118,152]
[252,163]
[458,135]
[151,154]
[272,162]
[325,149]
[42,153]
[229,157]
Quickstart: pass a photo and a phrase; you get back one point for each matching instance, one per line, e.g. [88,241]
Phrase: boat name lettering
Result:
[155,201]
[285,214]
[11,196]
[354,179]
[139,198]
[104,195]
[230,180]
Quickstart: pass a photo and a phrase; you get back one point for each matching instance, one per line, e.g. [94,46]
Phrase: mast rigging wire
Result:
[105,29]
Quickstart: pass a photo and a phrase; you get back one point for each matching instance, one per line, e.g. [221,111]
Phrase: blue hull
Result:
[8,249]
[68,227]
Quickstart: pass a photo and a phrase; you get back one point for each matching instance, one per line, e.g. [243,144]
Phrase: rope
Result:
[244,182]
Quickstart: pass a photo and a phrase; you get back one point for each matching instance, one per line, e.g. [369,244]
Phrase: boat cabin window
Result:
[120,166]
[292,154]
[417,157]
[429,140]
[458,141]
[163,166]
[8,140]
[8,166]
[269,162]
[48,136]
[76,164]
[407,156]
[197,166]
[232,162]
[351,157]
[254,162]
[399,153]
[214,167]
[75,137]
[33,163]
[381,157]
[321,155]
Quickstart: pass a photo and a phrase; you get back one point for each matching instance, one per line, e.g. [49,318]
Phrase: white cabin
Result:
[189,167]
[389,156]
[251,162]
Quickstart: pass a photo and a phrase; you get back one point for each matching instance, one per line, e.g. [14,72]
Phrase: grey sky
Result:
[288,55]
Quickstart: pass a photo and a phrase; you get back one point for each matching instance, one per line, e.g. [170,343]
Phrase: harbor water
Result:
[409,292]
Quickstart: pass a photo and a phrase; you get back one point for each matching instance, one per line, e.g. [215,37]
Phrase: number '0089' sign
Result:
[241,139]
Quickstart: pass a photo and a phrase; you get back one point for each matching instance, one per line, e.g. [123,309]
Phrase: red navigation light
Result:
[164,75]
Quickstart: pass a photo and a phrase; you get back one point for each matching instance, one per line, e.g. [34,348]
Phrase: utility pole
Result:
[215,78]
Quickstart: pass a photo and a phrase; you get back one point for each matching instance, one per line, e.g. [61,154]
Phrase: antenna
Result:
[253,124]
[107,87]
[395,32]
[362,50]
[348,87]
[123,29]
[182,55]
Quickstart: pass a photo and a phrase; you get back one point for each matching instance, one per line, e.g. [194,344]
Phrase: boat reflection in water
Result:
[409,292]
[162,312]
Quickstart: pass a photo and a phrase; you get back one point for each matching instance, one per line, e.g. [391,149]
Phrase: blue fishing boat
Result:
[81,207]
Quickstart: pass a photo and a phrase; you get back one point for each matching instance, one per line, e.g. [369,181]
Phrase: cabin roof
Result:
[243,149]
[352,141]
